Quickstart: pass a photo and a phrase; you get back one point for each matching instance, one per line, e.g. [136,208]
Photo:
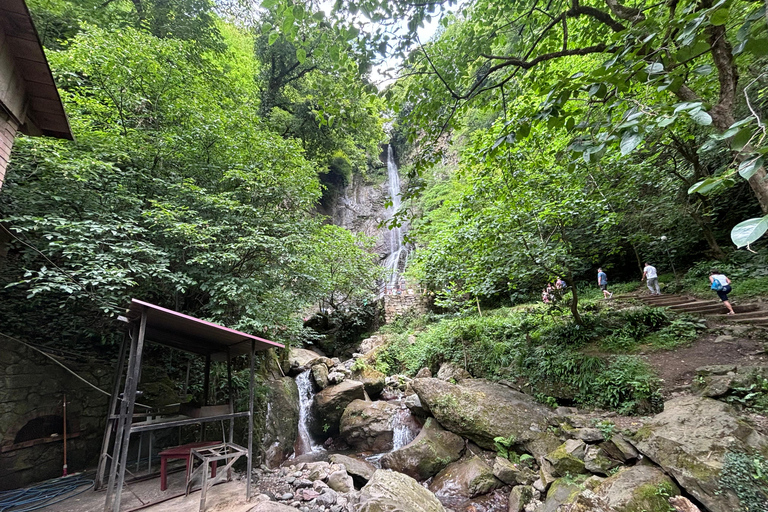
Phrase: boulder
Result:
[282,423]
[588,435]
[367,426]
[271,506]
[337,377]
[640,487]
[373,380]
[320,375]
[561,492]
[369,344]
[568,458]
[513,474]
[468,477]
[519,497]
[424,373]
[690,439]
[597,460]
[298,358]
[341,481]
[329,404]
[452,373]
[413,403]
[481,410]
[620,449]
[360,470]
[432,450]
[390,491]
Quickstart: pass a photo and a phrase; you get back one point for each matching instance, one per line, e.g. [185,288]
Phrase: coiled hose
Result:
[44,494]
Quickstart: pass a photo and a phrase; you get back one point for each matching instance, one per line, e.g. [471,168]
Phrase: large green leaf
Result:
[747,232]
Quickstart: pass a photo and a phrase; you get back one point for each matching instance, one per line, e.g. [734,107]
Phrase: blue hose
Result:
[43,494]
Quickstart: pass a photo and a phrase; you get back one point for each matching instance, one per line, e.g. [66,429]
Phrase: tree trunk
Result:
[574,299]
[760,187]
[717,251]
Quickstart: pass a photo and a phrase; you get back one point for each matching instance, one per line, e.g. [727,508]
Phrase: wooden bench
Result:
[181,452]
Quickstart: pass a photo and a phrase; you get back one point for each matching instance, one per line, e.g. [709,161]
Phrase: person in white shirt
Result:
[724,291]
[652,277]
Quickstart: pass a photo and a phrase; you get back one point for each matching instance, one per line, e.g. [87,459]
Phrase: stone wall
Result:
[32,387]
[409,301]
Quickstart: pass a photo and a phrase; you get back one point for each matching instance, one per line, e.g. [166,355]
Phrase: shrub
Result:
[747,476]
[629,386]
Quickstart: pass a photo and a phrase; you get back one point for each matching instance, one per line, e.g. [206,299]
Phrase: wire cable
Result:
[49,356]
[44,494]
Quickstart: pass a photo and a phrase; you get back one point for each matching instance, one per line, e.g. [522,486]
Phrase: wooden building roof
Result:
[44,112]
[194,335]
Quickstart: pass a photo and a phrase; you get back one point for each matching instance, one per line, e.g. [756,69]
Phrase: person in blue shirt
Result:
[602,282]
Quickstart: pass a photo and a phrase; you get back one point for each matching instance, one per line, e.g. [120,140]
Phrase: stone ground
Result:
[228,496]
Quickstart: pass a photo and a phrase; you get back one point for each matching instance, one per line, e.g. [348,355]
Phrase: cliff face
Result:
[359,207]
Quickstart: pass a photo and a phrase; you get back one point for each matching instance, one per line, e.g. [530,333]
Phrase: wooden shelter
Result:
[148,322]
[29,100]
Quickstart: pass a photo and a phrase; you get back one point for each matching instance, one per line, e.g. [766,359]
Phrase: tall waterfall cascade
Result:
[304,443]
[395,235]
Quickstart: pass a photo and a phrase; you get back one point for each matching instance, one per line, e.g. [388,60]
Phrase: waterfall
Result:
[304,443]
[395,235]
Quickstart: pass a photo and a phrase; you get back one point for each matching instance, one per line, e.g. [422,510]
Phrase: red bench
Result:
[181,452]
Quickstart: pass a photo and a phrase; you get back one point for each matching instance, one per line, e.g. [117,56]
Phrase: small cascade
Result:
[304,443]
[403,428]
[395,235]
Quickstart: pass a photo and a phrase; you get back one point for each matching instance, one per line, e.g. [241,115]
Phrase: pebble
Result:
[287,496]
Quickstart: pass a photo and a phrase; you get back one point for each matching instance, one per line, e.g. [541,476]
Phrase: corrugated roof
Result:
[45,111]
[194,335]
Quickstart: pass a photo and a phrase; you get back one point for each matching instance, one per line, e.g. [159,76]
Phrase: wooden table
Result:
[181,452]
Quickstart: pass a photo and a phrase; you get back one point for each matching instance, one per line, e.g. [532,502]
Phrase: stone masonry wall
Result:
[396,305]
[32,386]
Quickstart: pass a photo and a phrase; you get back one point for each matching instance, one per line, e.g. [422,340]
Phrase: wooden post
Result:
[231,396]
[64,472]
[206,391]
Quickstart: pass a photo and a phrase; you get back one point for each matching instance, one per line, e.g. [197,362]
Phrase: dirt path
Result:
[678,367]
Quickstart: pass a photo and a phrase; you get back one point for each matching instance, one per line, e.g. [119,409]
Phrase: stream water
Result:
[395,236]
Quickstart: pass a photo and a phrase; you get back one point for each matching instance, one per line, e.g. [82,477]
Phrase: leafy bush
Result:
[680,332]
[747,476]
[629,386]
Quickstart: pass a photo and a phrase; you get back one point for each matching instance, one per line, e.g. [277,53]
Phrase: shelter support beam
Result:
[250,425]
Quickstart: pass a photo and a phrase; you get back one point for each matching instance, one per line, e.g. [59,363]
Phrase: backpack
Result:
[716,285]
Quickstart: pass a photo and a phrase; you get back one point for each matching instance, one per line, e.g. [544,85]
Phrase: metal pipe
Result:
[250,427]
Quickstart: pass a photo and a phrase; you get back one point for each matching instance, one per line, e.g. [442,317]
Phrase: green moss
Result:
[651,498]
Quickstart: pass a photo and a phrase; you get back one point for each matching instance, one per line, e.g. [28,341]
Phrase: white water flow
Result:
[403,431]
[304,443]
[395,235]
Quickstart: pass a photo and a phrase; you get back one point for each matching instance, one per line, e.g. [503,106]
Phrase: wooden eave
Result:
[45,113]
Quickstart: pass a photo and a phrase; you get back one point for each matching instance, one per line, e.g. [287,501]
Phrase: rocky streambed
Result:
[486,446]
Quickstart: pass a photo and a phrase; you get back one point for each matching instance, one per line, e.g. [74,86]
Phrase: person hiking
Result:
[722,285]
[652,278]
[602,282]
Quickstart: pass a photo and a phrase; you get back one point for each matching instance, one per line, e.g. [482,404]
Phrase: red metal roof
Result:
[45,111]
[191,334]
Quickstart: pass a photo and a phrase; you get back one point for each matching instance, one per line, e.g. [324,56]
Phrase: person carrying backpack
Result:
[722,285]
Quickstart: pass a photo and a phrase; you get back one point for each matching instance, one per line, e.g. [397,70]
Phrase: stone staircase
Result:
[746,314]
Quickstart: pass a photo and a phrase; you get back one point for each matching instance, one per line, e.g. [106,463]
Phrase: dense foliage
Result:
[557,361]
[193,180]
